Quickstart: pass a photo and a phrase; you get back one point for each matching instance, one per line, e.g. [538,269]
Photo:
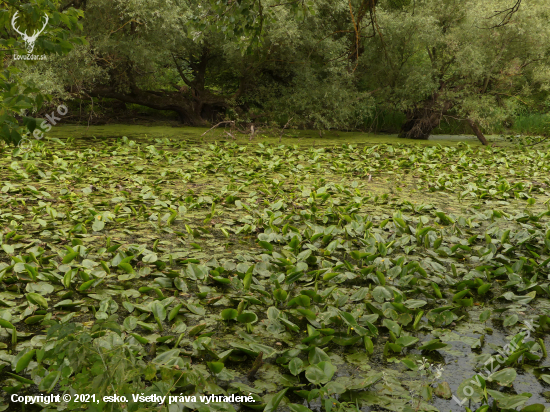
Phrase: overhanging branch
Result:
[505,14]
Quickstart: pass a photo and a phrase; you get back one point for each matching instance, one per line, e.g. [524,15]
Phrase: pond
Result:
[352,271]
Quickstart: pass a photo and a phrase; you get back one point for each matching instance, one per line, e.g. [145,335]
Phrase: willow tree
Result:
[322,63]
[187,57]
[268,60]
[477,61]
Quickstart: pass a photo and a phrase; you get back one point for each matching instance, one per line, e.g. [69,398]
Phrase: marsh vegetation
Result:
[169,266]
[282,254]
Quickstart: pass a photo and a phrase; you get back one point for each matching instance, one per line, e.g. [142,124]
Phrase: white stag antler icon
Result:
[29,40]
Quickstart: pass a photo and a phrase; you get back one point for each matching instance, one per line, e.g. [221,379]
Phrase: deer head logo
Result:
[29,40]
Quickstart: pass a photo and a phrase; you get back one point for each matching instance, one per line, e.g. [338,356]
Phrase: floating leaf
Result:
[215,367]
[434,344]
[295,366]
[247,317]
[37,299]
[228,314]
[24,360]
[510,320]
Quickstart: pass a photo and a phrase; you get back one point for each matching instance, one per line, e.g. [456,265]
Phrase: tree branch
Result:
[507,13]
[220,123]
[284,127]
[180,71]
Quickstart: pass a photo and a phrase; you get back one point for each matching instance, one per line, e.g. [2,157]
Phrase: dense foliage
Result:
[21,96]
[319,64]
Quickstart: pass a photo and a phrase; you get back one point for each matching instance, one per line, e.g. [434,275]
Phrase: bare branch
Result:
[284,127]
[180,71]
[539,142]
[220,123]
[124,25]
[505,14]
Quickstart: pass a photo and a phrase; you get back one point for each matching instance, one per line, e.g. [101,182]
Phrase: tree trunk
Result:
[420,123]
[193,103]
[165,100]
[477,132]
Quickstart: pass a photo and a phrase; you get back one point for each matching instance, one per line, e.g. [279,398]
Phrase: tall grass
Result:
[384,121]
[532,124]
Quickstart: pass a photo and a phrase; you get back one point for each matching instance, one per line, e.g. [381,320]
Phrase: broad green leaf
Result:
[406,340]
[274,402]
[247,317]
[295,366]
[504,376]
[228,314]
[316,375]
[317,355]
[158,310]
[510,320]
[215,367]
[434,344]
[37,299]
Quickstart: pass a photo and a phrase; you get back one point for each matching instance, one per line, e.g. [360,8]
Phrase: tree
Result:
[323,64]
[459,59]
[157,54]
[17,95]
[203,59]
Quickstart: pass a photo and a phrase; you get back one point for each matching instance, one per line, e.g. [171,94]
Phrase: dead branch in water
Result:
[284,127]
[257,364]
[232,122]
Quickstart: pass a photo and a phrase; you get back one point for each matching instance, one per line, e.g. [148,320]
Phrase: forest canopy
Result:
[323,64]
